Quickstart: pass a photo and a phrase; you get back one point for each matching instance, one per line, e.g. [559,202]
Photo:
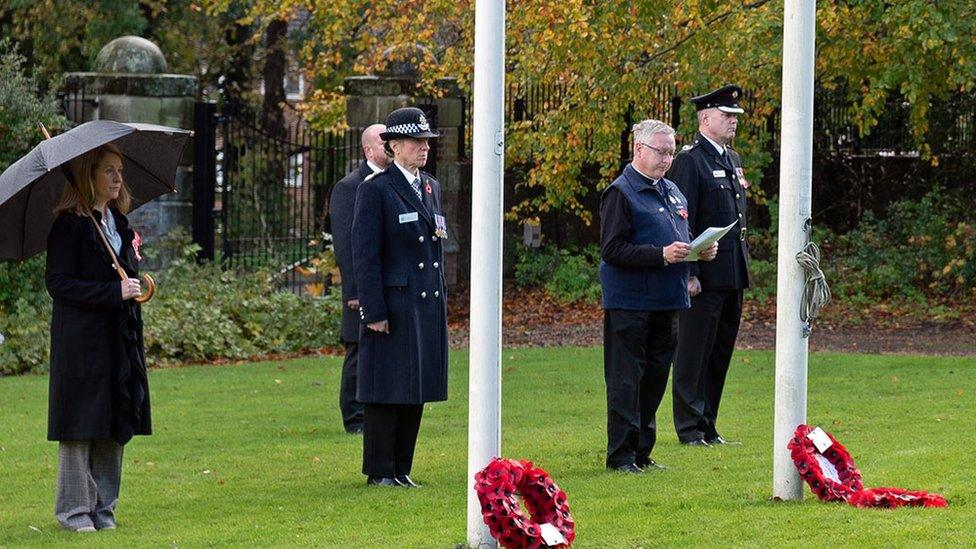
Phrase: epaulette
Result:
[689,147]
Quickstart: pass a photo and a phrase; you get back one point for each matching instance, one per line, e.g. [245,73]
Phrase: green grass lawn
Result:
[255,455]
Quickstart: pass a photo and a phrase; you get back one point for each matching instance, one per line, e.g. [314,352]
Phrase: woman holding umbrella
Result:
[99,393]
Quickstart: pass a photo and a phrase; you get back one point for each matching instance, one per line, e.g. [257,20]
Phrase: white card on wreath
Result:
[820,439]
[551,535]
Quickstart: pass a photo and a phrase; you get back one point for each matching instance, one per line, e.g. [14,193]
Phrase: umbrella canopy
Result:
[31,187]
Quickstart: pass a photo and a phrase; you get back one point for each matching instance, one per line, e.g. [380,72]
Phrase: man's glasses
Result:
[661,152]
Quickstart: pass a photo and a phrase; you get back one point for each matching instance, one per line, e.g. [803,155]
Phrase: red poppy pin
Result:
[136,243]
[683,213]
[427,188]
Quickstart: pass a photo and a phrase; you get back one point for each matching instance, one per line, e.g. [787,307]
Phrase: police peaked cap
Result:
[407,122]
[725,99]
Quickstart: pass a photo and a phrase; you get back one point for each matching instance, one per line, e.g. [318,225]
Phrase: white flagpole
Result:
[796,146]
[484,377]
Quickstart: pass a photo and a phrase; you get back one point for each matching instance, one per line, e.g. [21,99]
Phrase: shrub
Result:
[25,316]
[534,266]
[202,312]
[762,281]
[568,276]
[199,312]
[21,107]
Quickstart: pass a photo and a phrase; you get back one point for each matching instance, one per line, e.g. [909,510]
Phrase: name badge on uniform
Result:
[441,223]
[408,217]
[718,173]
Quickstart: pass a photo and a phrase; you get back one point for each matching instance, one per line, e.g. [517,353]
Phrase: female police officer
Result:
[398,234]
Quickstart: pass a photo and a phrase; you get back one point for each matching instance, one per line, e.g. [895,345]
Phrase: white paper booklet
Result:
[706,238]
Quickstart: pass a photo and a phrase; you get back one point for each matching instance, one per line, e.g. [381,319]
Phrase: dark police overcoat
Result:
[98,383]
[399,262]
[712,184]
[341,208]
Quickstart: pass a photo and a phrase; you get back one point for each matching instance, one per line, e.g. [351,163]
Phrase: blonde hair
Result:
[81,196]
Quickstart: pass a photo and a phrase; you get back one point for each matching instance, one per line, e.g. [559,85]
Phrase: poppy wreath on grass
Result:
[498,486]
[832,476]
[896,497]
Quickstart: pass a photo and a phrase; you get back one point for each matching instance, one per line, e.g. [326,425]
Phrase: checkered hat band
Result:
[407,128]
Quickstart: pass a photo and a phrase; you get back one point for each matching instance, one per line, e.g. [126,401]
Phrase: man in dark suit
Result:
[341,206]
[643,246]
[398,234]
[709,173]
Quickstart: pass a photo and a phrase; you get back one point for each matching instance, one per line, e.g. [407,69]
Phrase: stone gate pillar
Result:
[369,99]
[130,84]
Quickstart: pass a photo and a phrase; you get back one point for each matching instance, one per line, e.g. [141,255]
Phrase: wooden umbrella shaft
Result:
[111,251]
[117,265]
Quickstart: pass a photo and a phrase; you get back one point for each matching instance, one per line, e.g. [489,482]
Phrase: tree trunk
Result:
[275,64]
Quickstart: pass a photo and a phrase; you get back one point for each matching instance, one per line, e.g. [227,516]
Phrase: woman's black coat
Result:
[98,384]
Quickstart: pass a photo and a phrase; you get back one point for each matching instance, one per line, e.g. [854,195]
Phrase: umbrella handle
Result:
[147,282]
[150,285]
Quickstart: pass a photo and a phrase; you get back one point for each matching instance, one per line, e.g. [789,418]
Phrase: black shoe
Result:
[717,439]
[628,468]
[695,442]
[355,430]
[382,481]
[647,462]
[405,480]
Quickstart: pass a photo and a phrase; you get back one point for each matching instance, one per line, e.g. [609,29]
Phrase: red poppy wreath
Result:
[829,469]
[831,474]
[549,523]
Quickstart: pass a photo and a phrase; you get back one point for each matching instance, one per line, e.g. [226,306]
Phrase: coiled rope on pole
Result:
[816,292]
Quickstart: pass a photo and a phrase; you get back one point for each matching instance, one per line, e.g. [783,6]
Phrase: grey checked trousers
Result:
[89,474]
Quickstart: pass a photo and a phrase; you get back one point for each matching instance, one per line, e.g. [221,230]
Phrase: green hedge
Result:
[568,275]
[199,313]
[921,251]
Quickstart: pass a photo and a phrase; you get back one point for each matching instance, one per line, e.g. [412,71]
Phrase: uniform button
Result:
[736,196]
[740,215]
[420,266]
[436,265]
[421,239]
[423,295]
[437,293]
[433,239]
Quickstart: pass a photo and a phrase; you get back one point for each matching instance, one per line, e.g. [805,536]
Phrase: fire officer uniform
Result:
[398,235]
[714,186]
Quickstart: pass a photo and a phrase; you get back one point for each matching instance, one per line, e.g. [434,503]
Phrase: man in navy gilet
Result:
[643,245]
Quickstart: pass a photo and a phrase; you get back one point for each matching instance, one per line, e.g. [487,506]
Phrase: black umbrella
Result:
[31,187]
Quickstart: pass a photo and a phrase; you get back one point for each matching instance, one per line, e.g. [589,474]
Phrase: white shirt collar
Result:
[653,181]
[719,148]
[406,173]
[374,167]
